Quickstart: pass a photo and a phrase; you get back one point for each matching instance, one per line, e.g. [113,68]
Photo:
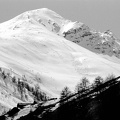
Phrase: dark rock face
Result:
[102,43]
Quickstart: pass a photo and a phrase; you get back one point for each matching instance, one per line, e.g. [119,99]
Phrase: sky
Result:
[100,15]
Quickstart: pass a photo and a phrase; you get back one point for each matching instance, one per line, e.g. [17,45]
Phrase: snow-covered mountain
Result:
[37,44]
[103,43]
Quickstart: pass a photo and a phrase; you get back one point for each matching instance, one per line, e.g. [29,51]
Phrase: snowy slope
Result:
[30,46]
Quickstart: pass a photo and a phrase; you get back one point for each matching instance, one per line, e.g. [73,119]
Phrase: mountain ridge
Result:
[38,45]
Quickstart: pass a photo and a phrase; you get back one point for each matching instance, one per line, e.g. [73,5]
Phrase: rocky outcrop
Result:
[102,43]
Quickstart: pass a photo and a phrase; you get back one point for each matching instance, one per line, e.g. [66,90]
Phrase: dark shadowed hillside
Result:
[98,102]
[101,103]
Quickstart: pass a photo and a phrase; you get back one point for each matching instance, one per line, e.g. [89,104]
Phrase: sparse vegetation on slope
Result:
[18,88]
[99,101]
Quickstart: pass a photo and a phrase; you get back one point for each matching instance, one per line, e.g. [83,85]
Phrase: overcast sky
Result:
[98,14]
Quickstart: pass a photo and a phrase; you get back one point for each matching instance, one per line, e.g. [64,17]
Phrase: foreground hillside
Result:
[99,102]
[33,49]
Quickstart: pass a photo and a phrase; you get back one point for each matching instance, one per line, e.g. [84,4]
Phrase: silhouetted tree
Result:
[79,88]
[85,82]
[98,80]
[82,85]
[29,88]
[65,93]
[110,77]
[38,94]
[21,88]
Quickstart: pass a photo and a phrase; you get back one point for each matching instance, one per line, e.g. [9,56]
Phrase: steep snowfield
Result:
[33,49]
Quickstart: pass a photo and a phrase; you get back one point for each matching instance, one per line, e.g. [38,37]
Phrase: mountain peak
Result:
[48,52]
[43,17]
[41,12]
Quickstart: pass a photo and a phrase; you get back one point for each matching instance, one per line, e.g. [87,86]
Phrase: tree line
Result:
[23,86]
[84,85]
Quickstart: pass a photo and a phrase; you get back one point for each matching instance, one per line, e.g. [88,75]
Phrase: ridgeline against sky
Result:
[98,14]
